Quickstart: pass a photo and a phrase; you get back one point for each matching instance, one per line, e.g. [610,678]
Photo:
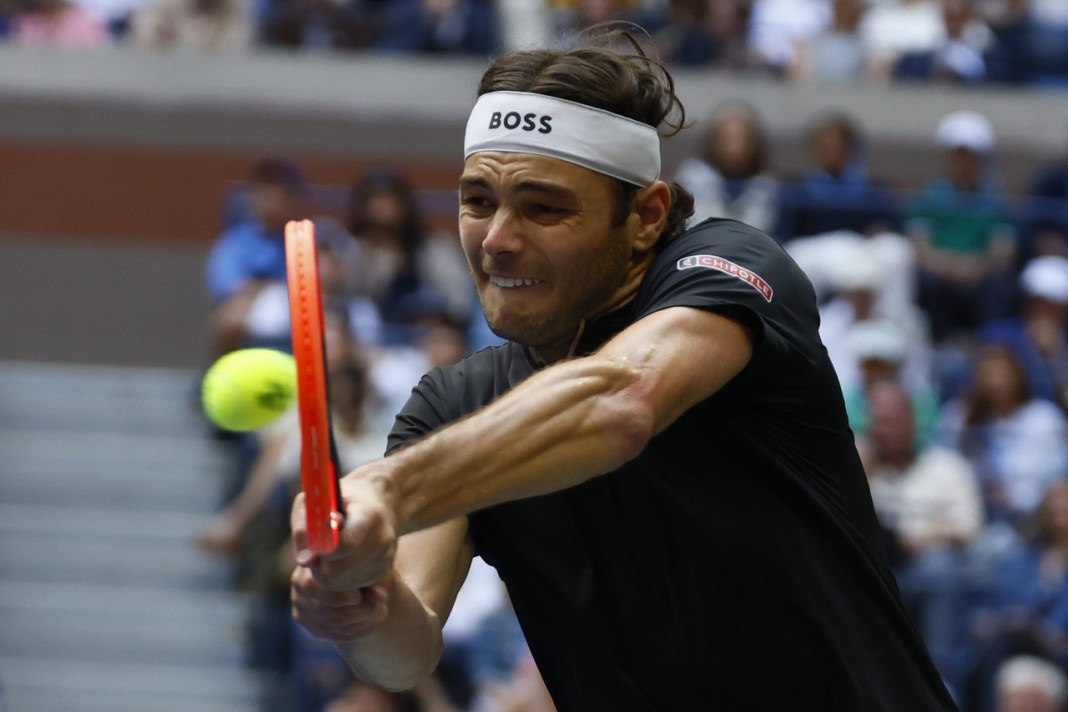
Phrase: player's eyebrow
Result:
[528,185]
[473,182]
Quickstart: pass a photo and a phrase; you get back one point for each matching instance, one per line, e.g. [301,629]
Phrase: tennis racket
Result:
[318,452]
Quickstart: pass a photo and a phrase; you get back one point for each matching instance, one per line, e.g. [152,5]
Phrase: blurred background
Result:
[912,155]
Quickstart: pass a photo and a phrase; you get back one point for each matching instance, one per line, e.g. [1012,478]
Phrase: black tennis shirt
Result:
[736,563]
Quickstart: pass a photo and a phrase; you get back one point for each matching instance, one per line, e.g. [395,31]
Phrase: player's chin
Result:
[521,325]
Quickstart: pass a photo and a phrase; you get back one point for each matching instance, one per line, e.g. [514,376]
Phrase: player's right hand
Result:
[339,616]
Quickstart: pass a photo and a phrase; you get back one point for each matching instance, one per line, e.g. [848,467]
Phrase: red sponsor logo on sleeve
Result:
[751,278]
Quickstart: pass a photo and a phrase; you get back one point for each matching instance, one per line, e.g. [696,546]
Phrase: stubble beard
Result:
[549,332]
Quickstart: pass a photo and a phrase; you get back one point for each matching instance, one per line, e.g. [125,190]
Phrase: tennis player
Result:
[657,462]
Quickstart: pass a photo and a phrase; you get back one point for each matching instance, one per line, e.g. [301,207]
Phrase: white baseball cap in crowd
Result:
[966,129]
[877,339]
[1047,278]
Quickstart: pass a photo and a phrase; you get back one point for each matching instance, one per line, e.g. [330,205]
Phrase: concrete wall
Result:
[113,167]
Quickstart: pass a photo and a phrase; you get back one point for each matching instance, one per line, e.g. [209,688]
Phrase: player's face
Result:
[542,249]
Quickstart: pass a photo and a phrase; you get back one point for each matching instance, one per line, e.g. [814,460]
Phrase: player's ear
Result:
[651,205]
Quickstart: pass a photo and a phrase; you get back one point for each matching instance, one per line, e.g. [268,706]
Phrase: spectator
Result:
[570,18]
[59,23]
[837,193]
[705,33]
[319,25]
[199,25]
[730,178]
[964,236]
[929,500]
[857,288]
[777,27]
[432,341]
[1030,684]
[397,263]
[250,255]
[1023,613]
[1032,41]
[893,29]
[1017,443]
[1044,219]
[833,261]
[1039,337]
[880,351]
[959,57]
[1048,42]
[440,26]
[837,53]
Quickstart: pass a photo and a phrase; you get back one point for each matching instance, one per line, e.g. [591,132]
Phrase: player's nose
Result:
[505,233]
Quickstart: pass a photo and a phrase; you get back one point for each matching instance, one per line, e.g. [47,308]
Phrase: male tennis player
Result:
[657,462]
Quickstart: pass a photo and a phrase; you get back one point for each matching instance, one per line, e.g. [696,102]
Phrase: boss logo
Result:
[515,120]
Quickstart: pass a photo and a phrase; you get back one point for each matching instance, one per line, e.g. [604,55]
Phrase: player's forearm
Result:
[402,649]
[561,427]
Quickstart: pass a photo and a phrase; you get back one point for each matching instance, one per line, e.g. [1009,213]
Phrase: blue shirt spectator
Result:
[247,251]
[250,255]
[445,26]
[837,193]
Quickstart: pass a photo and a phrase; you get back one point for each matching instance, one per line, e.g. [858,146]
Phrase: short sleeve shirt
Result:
[735,563]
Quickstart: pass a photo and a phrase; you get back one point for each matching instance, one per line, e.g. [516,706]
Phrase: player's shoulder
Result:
[728,246]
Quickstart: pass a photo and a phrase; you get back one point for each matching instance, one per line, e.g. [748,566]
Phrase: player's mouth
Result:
[509,283]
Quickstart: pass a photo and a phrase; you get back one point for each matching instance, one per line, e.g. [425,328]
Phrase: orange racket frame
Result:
[318,453]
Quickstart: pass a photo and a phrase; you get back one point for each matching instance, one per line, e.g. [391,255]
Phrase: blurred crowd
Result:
[842,41]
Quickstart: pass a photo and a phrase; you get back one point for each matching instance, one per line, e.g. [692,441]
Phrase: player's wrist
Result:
[378,478]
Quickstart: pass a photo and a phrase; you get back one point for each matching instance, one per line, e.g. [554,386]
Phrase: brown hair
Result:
[745,112]
[979,405]
[609,70]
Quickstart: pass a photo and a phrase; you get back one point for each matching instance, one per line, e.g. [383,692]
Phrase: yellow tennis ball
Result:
[247,389]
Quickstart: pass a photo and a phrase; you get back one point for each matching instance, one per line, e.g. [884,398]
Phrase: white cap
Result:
[966,129]
[857,267]
[1046,277]
[877,339]
[1026,671]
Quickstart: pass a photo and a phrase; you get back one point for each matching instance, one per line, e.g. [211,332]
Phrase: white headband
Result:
[523,122]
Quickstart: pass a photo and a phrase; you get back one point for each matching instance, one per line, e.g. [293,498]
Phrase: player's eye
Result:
[546,210]
[475,202]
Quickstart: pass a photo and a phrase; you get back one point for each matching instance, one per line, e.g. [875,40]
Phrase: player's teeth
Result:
[505,282]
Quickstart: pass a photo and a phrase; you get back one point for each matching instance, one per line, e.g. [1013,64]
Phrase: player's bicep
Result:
[683,356]
[434,563]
